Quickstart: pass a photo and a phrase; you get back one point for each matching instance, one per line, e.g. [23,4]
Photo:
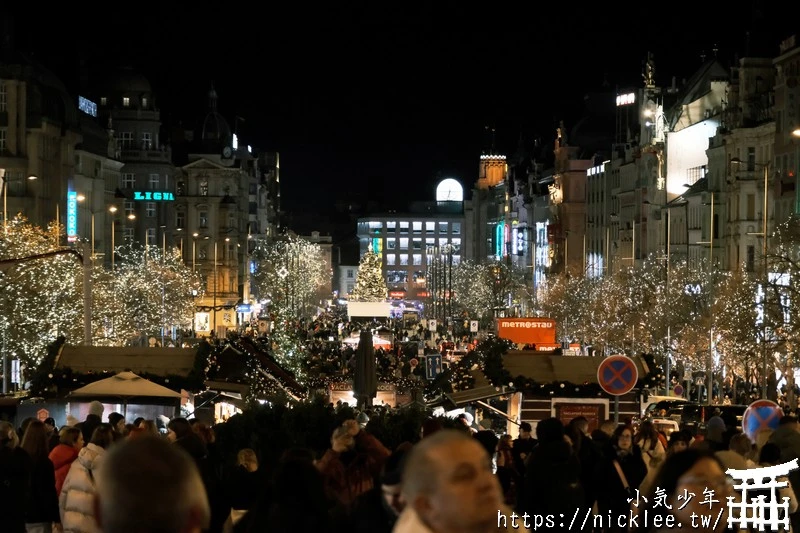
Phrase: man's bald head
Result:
[147,484]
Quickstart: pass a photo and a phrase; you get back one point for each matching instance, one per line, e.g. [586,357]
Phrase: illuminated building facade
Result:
[419,248]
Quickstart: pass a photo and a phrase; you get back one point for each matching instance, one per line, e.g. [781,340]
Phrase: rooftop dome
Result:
[216,132]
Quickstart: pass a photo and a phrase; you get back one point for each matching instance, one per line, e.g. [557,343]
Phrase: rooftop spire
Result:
[212,98]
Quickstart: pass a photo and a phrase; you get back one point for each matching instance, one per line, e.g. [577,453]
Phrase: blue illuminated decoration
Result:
[252,267]
[87,106]
[72,216]
[499,234]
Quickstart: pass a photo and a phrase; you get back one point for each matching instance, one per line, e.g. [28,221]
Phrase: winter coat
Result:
[410,522]
[62,457]
[76,502]
[42,504]
[552,480]
[611,494]
[15,468]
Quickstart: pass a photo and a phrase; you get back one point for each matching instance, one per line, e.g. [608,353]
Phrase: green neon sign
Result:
[154,196]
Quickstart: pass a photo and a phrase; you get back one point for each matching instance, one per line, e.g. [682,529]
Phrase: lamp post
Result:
[765,272]
[710,361]
[113,210]
[6,180]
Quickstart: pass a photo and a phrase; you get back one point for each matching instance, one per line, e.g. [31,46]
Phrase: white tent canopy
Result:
[126,385]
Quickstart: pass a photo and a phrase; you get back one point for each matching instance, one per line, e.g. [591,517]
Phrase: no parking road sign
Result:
[617,375]
[761,414]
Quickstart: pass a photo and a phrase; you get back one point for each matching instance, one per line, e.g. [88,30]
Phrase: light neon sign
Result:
[72,216]
[157,196]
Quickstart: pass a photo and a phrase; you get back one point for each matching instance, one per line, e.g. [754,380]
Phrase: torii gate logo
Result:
[760,513]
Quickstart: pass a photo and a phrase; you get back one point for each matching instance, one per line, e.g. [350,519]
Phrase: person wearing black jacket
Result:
[376,510]
[41,506]
[14,472]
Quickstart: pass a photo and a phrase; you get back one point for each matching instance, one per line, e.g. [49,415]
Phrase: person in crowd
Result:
[180,432]
[738,453]
[588,454]
[506,471]
[602,435]
[678,442]
[552,480]
[14,472]
[117,423]
[245,484]
[653,452]
[448,486]
[41,509]
[467,421]
[146,484]
[351,465]
[522,446]
[53,438]
[150,427]
[65,454]
[376,510]
[694,471]
[429,427]
[619,474]
[77,494]
[93,419]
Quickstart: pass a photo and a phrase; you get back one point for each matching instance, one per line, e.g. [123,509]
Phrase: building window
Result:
[180,190]
[127,235]
[204,188]
[203,219]
[151,236]
[417,259]
[180,220]
[417,243]
[103,100]
[147,140]
[126,101]
[390,227]
[403,259]
[350,273]
[430,227]
[3,97]
[375,224]
[125,140]
[144,102]
[456,228]
[442,227]
[154,180]
[3,133]
[416,227]
[231,220]
[751,258]
[150,208]
[128,180]
[391,244]
[404,243]
[390,259]
[129,209]
[404,228]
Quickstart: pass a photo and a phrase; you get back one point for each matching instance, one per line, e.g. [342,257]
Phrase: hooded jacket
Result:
[76,502]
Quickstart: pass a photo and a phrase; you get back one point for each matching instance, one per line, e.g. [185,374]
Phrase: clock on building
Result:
[449,190]
[227,152]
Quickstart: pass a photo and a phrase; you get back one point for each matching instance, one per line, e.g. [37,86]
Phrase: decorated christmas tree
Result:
[370,285]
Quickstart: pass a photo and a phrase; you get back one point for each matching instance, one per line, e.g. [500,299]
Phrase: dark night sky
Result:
[380,99]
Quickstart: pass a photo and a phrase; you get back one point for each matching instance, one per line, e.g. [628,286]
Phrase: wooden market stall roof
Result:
[548,368]
[156,361]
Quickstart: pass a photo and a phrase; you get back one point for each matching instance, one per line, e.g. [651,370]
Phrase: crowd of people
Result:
[118,476]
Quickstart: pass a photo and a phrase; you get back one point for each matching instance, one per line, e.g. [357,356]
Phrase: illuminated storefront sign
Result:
[72,216]
[499,232]
[153,196]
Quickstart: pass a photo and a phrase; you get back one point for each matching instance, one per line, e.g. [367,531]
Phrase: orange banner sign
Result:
[527,330]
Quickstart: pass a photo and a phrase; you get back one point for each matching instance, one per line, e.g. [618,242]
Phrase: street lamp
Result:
[6,180]
[764,234]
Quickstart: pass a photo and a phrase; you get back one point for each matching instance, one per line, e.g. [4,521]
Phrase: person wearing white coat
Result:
[76,502]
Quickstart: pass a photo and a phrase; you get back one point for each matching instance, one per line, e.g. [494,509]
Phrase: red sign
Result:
[547,347]
[617,375]
[527,330]
[42,415]
[593,412]
[397,295]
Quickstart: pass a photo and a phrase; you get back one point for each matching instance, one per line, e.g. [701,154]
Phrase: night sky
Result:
[364,99]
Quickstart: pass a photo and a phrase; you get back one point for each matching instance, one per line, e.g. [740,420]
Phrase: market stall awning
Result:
[549,368]
[125,385]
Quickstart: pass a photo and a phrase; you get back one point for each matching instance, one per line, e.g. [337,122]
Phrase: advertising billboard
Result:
[532,330]
[72,216]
